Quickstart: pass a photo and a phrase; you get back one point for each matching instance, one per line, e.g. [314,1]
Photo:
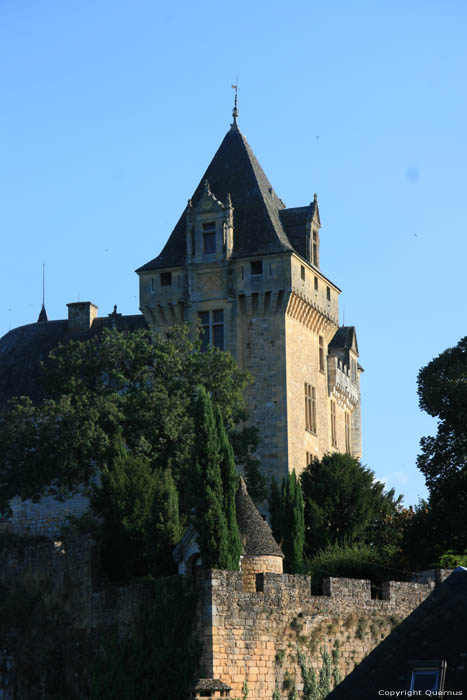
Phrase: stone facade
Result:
[250,275]
[254,638]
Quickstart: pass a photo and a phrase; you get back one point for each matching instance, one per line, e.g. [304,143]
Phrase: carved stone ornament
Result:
[208,201]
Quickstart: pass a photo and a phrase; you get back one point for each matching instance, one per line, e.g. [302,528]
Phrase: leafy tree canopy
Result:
[343,502]
[442,390]
[133,384]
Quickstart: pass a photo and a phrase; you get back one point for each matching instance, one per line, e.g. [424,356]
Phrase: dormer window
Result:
[166,279]
[209,237]
[256,267]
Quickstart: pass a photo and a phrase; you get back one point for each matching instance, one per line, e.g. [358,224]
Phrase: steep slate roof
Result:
[258,228]
[255,533]
[436,630]
[344,337]
[294,222]
[22,350]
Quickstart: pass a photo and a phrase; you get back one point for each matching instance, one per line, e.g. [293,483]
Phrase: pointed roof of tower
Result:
[255,533]
[258,229]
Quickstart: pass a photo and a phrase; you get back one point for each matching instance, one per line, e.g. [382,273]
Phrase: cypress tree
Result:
[230,485]
[166,529]
[292,523]
[209,517]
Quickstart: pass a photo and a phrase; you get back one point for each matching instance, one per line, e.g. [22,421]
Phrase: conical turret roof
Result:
[255,533]
[235,171]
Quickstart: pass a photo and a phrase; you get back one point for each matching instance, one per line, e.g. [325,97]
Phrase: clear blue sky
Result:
[112,110]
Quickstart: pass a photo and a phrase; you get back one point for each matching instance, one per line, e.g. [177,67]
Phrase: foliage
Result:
[287,520]
[139,522]
[343,503]
[450,560]
[351,561]
[229,486]
[442,390]
[159,660]
[318,689]
[214,486]
[133,383]
[292,524]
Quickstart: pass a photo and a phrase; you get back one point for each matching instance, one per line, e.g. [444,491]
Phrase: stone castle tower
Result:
[247,270]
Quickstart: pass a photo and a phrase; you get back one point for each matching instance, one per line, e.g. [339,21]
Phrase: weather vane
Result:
[235,109]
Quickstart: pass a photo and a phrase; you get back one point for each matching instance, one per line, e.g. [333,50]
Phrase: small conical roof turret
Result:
[255,533]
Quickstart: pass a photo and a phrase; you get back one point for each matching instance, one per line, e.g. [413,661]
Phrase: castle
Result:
[247,270]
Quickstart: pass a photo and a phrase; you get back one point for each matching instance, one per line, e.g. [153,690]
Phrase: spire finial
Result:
[235,109]
[43,312]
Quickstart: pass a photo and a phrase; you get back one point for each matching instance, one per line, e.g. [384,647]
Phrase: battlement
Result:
[247,633]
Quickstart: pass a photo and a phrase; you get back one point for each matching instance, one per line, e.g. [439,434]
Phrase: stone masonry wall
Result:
[44,518]
[70,567]
[256,637]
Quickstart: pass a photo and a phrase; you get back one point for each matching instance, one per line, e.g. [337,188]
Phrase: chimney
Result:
[81,314]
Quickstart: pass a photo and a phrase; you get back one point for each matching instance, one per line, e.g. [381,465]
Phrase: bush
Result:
[358,561]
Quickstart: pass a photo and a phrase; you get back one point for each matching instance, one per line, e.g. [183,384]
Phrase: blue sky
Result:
[111,111]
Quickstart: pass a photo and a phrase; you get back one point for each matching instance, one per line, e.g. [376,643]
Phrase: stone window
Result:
[321,354]
[308,458]
[256,267]
[333,424]
[316,284]
[328,293]
[152,284]
[310,408]
[302,272]
[209,237]
[347,433]
[212,328]
[166,279]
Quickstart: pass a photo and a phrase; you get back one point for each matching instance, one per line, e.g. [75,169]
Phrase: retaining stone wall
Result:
[255,637]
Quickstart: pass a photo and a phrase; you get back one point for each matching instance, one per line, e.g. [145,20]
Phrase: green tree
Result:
[124,503]
[230,484]
[343,503]
[292,524]
[442,390]
[140,385]
[209,518]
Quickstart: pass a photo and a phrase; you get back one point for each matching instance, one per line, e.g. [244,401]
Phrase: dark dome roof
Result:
[22,350]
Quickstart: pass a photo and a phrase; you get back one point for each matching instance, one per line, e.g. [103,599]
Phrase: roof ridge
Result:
[255,166]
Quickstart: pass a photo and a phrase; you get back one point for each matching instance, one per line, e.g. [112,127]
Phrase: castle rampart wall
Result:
[256,637]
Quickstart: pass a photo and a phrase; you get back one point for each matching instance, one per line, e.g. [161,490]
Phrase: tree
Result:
[229,484]
[287,520]
[210,520]
[343,502]
[133,383]
[292,524]
[124,502]
[442,390]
